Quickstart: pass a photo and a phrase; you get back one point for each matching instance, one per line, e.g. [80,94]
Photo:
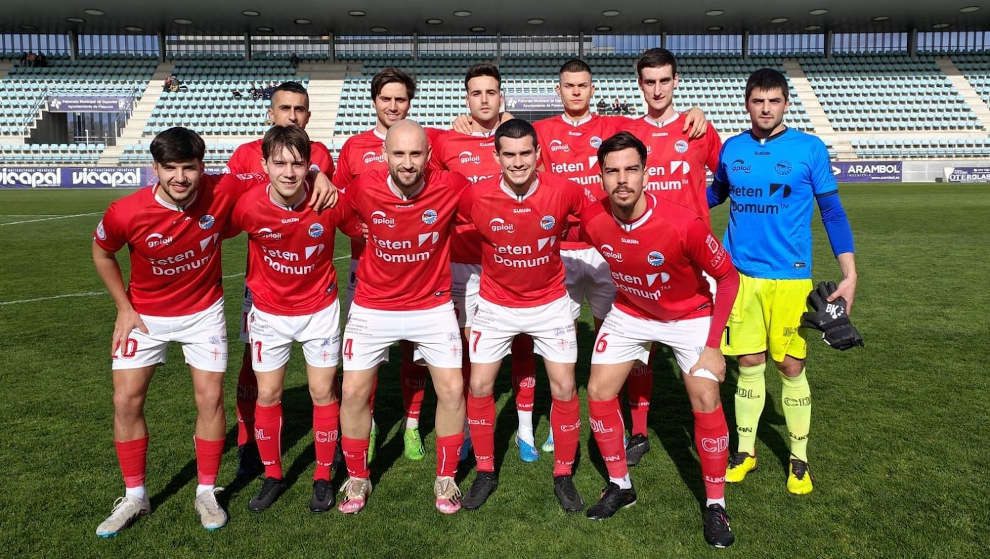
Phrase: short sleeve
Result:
[822,179]
[111,231]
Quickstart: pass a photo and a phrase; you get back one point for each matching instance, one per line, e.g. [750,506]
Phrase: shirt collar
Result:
[398,193]
[512,193]
[628,226]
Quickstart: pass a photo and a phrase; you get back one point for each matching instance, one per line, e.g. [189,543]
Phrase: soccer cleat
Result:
[567,494]
[527,452]
[356,491]
[249,461]
[372,440]
[636,448]
[448,495]
[717,531]
[799,481]
[484,485]
[739,465]
[466,449]
[548,444]
[211,514]
[323,496]
[126,510]
[413,445]
[271,488]
[613,499]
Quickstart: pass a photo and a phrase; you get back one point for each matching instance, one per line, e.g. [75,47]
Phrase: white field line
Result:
[48,218]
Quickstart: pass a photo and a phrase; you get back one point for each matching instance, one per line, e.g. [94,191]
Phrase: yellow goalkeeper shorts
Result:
[767,312]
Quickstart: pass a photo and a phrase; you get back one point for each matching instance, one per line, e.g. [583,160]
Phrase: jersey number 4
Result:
[349,348]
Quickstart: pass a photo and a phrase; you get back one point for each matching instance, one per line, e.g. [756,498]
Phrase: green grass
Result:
[897,435]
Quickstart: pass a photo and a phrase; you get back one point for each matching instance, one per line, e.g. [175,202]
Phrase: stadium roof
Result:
[511,17]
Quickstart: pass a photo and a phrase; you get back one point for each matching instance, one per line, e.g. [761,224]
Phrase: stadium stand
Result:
[861,93]
[976,69]
[927,148]
[208,104]
[51,154]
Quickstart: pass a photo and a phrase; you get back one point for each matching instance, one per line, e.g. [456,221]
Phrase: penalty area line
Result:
[48,218]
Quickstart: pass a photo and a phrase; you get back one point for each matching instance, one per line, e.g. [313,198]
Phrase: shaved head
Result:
[407,150]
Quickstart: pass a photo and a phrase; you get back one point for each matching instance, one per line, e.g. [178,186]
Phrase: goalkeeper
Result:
[772,176]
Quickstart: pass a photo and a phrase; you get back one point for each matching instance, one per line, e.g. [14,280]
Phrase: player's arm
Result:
[696,122]
[714,149]
[718,191]
[836,223]
[707,253]
[128,319]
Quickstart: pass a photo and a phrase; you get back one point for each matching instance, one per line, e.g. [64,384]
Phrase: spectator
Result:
[602,106]
[294,60]
[41,60]
[31,58]
[236,94]
[23,60]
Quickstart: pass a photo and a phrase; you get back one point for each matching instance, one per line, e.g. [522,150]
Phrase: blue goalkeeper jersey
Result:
[772,185]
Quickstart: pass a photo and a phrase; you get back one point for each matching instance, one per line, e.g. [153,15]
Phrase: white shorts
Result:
[369,332]
[464,287]
[624,337]
[203,336]
[246,305]
[272,336]
[587,276]
[551,327]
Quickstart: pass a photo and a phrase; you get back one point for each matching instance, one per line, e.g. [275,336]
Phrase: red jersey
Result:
[656,261]
[521,264]
[175,252]
[247,158]
[407,264]
[571,151]
[361,154]
[675,163]
[474,157]
[290,252]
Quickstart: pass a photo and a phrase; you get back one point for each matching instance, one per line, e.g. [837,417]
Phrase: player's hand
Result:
[127,321]
[847,290]
[364,231]
[711,360]
[463,124]
[325,194]
[695,122]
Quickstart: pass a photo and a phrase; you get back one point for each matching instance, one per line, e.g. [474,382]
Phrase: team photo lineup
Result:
[473,246]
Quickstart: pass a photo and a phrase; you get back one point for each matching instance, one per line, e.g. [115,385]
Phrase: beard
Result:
[402,182]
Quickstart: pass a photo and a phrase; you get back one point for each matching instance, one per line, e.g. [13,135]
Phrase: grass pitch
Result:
[897,444]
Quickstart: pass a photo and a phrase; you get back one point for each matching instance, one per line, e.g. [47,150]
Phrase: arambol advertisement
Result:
[867,171]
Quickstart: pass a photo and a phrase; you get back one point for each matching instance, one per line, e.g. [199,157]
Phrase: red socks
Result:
[412,379]
[565,420]
[639,389]
[326,420]
[247,395]
[481,422]
[448,454]
[523,372]
[268,435]
[711,438]
[208,455]
[607,426]
[356,456]
[133,459]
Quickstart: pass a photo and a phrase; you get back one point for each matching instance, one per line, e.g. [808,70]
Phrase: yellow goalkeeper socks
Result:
[751,392]
[796,397]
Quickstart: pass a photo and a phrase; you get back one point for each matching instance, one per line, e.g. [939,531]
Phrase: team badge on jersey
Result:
[206,221]
[430,217]
[595,142]
[655,258]
[783,167]
[315,230]
[547,222]
[680,146]
[101,233]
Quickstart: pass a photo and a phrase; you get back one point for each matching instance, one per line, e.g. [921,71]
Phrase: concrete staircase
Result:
[326,82]
[966,90]
[132,133]
[823,127]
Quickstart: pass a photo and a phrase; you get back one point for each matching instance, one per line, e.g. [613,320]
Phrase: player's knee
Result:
[790,366]
[703,394]
[597,390]
[752,360]
[450,390]
[481,388]
[562,388]
[354,395]
[209,398]
[322,395]
[127,404]
[269,395]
